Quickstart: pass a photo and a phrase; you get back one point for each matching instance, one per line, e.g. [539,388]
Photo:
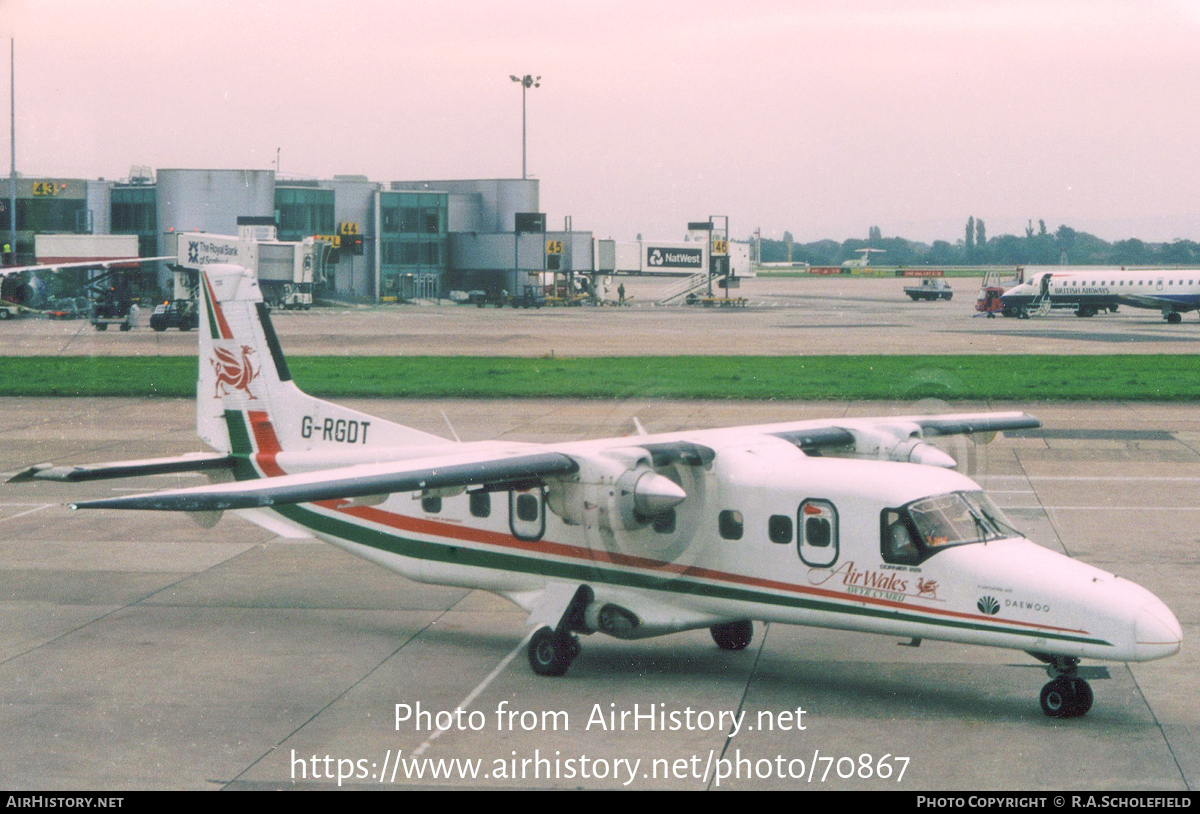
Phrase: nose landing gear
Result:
[1068,695]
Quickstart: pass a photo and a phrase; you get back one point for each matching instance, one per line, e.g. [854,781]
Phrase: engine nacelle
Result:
[922,452]
[618,489]
[640,494]
[902,442]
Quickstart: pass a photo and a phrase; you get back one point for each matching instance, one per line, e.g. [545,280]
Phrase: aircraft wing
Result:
[899,438]
[496,470]
[979,422]
[192,462]
[1152,301]
[842,433]
[84,264]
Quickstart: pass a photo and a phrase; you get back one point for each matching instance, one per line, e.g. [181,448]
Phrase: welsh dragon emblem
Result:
[233,373]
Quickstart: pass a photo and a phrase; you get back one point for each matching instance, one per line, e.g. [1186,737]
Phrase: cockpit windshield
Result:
[959,517]
[916,532]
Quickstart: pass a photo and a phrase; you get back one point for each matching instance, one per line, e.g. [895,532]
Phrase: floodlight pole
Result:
[527,81]
[12,175]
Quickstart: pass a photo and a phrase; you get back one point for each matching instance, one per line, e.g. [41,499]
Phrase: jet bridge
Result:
[286,270]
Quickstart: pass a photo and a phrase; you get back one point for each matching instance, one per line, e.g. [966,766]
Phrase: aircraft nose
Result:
[1156,632]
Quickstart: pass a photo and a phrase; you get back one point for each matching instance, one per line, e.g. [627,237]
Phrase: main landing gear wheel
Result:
[733,635]
[551,652]
[1066,697]
[1174,318]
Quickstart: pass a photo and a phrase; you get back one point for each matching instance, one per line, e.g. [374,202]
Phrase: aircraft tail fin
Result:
[245,397]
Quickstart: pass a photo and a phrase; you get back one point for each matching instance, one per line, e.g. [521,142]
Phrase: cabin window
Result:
[730,524]
[481,504]
[527,507]
[779,529]
[431,505]
[527,513]
[664,522]
[817,529]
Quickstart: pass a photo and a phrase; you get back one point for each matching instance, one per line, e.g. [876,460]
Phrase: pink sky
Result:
[822,119]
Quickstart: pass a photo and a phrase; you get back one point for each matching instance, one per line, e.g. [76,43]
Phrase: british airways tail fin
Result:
[245,396]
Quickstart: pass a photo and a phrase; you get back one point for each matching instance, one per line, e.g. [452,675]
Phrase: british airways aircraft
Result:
[849,523]
[1174,292]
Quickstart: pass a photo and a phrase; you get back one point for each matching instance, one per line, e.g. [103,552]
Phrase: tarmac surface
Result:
[783,316]
[138,650]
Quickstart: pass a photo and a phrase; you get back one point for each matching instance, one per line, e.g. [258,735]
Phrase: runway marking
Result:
[471,696]
[1102,478]
[30,511]
[1107,508]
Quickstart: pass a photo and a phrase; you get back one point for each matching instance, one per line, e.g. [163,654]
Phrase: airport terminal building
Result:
[402,240]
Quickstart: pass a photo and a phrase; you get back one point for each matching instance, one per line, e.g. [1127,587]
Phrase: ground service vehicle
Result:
[181,314]
[930,288]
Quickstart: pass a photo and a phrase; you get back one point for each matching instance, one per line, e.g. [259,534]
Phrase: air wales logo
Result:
[988,605]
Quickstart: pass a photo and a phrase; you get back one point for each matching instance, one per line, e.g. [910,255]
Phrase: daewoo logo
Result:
[233,373]
[988,605]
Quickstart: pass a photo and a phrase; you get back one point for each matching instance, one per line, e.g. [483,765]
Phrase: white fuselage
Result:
[733,550]
[1176,290]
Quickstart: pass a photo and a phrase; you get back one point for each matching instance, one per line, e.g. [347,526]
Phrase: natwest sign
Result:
[671,257]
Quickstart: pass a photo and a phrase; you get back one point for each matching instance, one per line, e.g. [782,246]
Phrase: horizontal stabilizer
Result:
[192,462]
[507,471]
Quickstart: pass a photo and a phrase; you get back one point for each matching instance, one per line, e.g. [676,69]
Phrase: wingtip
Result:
[26,475]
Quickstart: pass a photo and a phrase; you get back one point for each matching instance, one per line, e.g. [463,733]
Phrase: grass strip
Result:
[1009,378]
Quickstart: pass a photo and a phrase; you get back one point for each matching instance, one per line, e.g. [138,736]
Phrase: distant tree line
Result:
[1037,247]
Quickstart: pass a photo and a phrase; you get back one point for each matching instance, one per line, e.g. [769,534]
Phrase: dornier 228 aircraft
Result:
[854,524]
